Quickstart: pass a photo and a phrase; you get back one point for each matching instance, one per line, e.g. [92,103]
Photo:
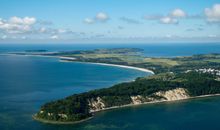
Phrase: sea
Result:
[27,82]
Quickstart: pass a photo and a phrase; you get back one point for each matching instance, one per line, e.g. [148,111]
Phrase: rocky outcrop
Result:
[96,104]
[50,114]
[174,94]
[137,99]
[170,95]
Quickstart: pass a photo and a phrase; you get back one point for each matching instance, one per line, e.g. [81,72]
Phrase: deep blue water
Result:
[28,82]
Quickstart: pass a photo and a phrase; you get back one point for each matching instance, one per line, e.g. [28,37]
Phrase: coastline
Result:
[156,102]
[60,122]
[8,54]
[124,66]
[118,107]
[72,59]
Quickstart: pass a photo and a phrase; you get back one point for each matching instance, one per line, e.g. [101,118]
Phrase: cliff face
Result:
[175,94]
[143,90]
[96,104]
[170,95]
[137,99]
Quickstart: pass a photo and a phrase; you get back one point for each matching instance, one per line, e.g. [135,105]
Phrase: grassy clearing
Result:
[160,61]
[98,55]
[214,60]
[132,59]
[127,58]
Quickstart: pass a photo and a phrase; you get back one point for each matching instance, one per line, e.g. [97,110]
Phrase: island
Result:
[172,79]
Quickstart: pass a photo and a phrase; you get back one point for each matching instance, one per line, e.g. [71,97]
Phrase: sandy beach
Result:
[127,67]
[106,64]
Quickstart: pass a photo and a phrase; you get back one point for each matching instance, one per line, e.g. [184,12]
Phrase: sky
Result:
[109,21]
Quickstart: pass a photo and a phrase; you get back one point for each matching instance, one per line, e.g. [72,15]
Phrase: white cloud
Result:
[89,20]
[23,28]
[171,18]
[101,16]
[178,13]
[27,26]
[168,20]
[15,20]
[213,13]
[25,20]
[17,24]
[54,37]
[62,31]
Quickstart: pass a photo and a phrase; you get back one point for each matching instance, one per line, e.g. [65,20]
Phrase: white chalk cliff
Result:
[170,95]
[96,104]
[174,94]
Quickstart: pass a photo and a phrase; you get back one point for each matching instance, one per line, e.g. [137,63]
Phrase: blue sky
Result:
[109,21]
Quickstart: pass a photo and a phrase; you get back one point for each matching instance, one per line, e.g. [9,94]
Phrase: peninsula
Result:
[173,79]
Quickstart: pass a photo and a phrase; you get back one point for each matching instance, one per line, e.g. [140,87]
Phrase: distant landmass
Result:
[174,78]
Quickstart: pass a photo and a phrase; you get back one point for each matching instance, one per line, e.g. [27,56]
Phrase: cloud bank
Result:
[171,18]
[100,17]
[213,13]
[17,24]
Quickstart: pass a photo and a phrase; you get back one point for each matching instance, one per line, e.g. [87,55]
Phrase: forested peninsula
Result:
[175,78]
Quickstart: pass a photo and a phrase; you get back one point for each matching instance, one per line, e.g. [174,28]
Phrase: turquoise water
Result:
[28,82]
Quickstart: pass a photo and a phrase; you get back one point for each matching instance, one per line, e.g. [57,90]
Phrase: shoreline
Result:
[156,102]
[72,59]
[8,54]
[118,107]
[124,66]
[60,122]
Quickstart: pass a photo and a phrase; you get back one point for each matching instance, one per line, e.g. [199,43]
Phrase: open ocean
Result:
[27,82]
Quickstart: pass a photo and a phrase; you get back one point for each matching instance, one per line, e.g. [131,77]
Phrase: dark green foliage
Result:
[116,100]
[77,108]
